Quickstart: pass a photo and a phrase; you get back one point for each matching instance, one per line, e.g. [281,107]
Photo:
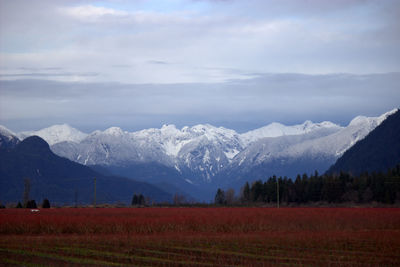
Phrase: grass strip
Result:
[260,257]
[20,263]
[122,256]
[92,252]
[58,257]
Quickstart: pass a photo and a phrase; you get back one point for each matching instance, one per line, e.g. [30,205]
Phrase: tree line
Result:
[331,188]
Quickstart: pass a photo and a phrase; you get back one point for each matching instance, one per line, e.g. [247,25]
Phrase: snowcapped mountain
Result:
[56,134]
[202,150]
[276,129]
[339,142]
[289,155]
[198,153]
[8,139]
[6,132]
[206,155]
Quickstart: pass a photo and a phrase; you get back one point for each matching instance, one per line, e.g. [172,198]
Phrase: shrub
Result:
[31,204]
[46,204]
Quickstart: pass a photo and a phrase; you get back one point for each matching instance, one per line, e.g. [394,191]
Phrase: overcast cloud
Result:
[137,64]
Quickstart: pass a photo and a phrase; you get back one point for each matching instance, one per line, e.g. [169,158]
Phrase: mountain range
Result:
[196,160]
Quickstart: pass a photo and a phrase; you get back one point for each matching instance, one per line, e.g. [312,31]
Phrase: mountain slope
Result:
[275,156]
[198,159]
[56,134]
[60,179]
[8,139]
[378,151]
[197,153]
[277,129]
[296,154]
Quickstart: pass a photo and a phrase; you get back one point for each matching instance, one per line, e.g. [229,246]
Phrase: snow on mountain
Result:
[172,140]
[198,152]
[111,147]
[7,137]
[56,134]
[169,138]
[203,151]
[337,143]
[269,148]
[276,129]
[317,149]
[6,132]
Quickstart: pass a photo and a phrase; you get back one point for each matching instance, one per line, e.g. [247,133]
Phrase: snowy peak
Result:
[57,134]
[169,129]
[172,140]
[212,132]
[277,129]
[114,131]
[360,120]
[6,132]
[8,139]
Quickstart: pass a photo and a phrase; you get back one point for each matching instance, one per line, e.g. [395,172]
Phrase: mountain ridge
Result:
[206,156]
[377,152]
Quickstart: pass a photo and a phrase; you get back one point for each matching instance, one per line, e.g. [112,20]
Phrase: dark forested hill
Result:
[61,180]
[378,151]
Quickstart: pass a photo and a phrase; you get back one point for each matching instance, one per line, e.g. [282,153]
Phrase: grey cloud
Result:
[50,74]
[41,69]
[258,36]
[122,66]
[240,104]
[158,62]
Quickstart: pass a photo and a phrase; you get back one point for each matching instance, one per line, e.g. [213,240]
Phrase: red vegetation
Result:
[201,236]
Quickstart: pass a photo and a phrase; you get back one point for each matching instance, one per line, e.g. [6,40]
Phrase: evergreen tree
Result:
[245,198]
[256,191]
[220,197]
[135,200]
[271,189]
[141,200]
[380,187]
[46,204]
[31,204]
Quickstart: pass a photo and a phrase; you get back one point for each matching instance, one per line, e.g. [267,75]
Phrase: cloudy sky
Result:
[232,63]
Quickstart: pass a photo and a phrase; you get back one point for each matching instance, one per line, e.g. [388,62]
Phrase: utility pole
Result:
[277,192]
[76,197]
[95,192]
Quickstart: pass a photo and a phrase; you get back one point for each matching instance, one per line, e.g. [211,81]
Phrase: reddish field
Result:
[201,237]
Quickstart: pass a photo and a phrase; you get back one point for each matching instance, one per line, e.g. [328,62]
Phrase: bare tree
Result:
[230,196]
[179,199]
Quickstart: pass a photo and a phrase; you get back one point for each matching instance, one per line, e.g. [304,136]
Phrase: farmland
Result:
[200,236]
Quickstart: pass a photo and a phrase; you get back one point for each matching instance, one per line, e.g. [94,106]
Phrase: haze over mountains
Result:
[195,160]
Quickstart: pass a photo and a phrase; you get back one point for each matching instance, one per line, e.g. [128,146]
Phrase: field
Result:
[200,237]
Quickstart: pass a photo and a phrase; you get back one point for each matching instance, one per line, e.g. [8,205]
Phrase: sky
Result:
[232,63]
